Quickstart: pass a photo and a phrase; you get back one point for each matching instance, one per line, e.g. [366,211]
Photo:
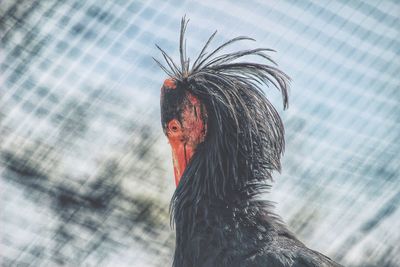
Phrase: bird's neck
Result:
[220,177]
[211,216]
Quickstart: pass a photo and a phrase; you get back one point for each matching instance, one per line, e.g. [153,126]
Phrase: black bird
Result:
[226,140]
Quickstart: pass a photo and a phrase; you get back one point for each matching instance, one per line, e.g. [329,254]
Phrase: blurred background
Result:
[86,173]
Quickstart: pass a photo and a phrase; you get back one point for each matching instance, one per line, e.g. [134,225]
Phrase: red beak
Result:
[181,155]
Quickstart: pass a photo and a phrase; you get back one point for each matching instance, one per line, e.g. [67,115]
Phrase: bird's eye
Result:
[174,126]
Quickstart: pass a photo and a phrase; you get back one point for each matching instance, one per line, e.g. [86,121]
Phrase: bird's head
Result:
[216,107]
[184,122]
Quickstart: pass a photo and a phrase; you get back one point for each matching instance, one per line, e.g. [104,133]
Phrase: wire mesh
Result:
[85,170]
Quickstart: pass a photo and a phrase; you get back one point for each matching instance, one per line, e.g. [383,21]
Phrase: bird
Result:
[227,139]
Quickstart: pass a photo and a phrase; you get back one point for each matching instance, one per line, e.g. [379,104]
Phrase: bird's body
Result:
[239,234]
[226,140]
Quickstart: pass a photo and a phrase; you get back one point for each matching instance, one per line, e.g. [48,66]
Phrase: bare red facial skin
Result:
[169,83]
[184,136]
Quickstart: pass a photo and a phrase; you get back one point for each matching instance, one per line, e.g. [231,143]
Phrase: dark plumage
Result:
[217,209]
